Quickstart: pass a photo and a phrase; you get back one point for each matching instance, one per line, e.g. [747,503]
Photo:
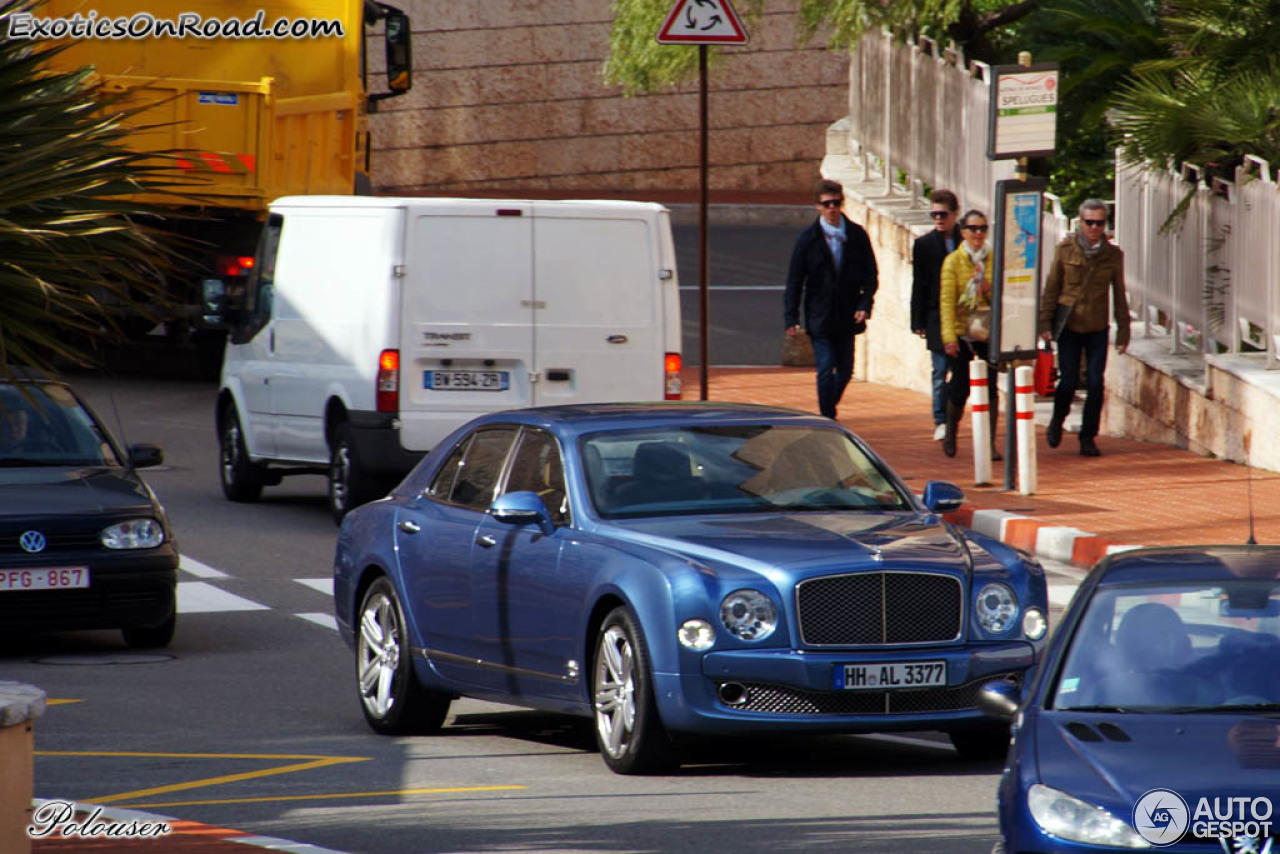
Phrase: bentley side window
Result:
[481,467]
[538,468]
[442,484]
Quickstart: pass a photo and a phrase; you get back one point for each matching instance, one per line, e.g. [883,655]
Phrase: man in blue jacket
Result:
[833,276]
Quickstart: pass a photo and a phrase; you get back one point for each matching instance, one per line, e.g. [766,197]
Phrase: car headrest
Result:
[662,461]
[1152,636]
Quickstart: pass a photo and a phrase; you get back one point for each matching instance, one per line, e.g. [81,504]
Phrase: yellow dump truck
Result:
[259,98]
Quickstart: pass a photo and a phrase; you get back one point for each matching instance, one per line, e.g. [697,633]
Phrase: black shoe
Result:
[1053,433]
[1088,448]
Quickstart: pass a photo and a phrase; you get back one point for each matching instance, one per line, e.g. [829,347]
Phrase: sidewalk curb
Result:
[185,827]
[1042,539]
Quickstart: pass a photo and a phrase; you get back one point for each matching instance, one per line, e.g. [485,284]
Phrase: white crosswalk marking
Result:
[324,585]
[326,620]
[199,597]
[198,569]
[1060,594]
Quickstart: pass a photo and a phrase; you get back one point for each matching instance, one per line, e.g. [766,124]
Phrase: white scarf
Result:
[835,235]
[973,287]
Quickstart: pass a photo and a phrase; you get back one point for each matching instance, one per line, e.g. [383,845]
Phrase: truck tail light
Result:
[389,381]
[672,365]
[232,266]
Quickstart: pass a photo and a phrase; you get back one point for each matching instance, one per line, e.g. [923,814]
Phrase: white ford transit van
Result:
[372,327]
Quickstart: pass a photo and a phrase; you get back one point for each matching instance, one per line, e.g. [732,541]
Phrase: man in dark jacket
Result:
[1085,279]
[927,254]
[833,276]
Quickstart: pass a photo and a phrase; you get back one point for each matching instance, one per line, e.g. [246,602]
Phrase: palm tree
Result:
[74,248]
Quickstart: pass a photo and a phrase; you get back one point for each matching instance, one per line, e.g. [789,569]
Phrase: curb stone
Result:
[1042,539]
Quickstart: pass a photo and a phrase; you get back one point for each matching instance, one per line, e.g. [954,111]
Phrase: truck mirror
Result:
[399,52]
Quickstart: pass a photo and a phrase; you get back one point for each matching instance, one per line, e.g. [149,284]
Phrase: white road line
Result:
[200,570]
[197,597]
[326,620]
[324,585]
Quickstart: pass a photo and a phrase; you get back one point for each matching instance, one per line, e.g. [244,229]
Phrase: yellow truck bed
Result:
[253,118]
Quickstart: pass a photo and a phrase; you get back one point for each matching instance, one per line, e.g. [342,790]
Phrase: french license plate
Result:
[889,675]
[45,578]
[466,380]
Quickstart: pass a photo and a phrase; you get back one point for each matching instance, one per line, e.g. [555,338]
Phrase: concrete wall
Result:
[508,96]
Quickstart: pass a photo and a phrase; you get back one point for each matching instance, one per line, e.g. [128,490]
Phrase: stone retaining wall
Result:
[509,97]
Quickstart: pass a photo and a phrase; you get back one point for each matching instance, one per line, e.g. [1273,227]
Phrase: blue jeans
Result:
[834,360]
[1071,346]
[939,387]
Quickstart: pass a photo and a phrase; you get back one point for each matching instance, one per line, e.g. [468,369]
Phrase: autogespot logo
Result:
[1160,817]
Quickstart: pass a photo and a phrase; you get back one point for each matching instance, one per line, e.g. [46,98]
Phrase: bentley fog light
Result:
[696,635]
[749,614]
[133,534]
[1072,819]
[997,608]
[1034,625]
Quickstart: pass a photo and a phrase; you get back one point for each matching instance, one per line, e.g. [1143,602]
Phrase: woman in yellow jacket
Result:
[965,288]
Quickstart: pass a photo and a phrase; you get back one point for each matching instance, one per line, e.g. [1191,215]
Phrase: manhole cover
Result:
[106,658]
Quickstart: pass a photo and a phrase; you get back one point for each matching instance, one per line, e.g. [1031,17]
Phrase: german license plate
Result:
[886,676]
[45,578]
[466,380]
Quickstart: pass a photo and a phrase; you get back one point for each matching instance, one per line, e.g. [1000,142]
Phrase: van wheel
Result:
[349,485]
[242,479]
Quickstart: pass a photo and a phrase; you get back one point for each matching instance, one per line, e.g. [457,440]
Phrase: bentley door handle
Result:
[408,526]
[486,541]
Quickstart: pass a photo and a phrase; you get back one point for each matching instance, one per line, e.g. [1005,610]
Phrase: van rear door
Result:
[598,311]
[466,324]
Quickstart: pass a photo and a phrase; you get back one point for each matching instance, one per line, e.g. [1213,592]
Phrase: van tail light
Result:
[389,381]
[672,364]
[233,266]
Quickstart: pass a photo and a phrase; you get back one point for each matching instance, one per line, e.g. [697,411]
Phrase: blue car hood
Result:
[804,541]
[1207,755]
[67,491]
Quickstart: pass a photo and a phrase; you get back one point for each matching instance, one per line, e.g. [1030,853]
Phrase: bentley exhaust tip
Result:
[733,694]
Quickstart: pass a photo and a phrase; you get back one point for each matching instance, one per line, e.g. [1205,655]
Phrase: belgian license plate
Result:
[889,675]
[44,578]
[466,380]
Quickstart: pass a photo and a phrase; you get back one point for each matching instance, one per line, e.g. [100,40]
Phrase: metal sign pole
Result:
[704,256]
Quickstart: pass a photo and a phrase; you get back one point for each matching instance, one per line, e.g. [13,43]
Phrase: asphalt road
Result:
[251,720]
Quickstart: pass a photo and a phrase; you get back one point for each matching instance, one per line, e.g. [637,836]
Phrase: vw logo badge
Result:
[32,542]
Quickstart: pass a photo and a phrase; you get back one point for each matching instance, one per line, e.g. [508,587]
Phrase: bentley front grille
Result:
[870,608]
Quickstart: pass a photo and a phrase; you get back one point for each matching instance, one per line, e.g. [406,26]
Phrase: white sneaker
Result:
[939,432]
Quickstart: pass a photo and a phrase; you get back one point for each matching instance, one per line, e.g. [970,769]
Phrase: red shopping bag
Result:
[1046,378]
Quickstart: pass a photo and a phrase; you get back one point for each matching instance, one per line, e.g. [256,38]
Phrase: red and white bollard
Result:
[1025,388]
[980,405]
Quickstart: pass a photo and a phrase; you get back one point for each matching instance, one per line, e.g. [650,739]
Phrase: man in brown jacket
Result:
[1086,271]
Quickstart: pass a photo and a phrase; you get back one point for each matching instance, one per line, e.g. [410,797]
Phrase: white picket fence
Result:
[1209,281]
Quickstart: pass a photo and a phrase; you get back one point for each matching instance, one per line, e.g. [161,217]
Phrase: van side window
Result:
[478,477]
[538,468]
[260,291]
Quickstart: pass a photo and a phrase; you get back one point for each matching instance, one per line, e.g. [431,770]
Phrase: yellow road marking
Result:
[53,702]
[314,762]
[326,797]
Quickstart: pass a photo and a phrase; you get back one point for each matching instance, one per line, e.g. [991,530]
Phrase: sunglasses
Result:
[1094,223]
[832,203]
[980,229]
[940,214]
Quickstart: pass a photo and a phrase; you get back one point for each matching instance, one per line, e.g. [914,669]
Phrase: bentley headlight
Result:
[133,534]
[1074,820]
[749,614]
[997,608]
[1034,624]
[696,635]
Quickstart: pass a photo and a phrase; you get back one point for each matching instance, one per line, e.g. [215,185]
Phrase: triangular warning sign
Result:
[702,22]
